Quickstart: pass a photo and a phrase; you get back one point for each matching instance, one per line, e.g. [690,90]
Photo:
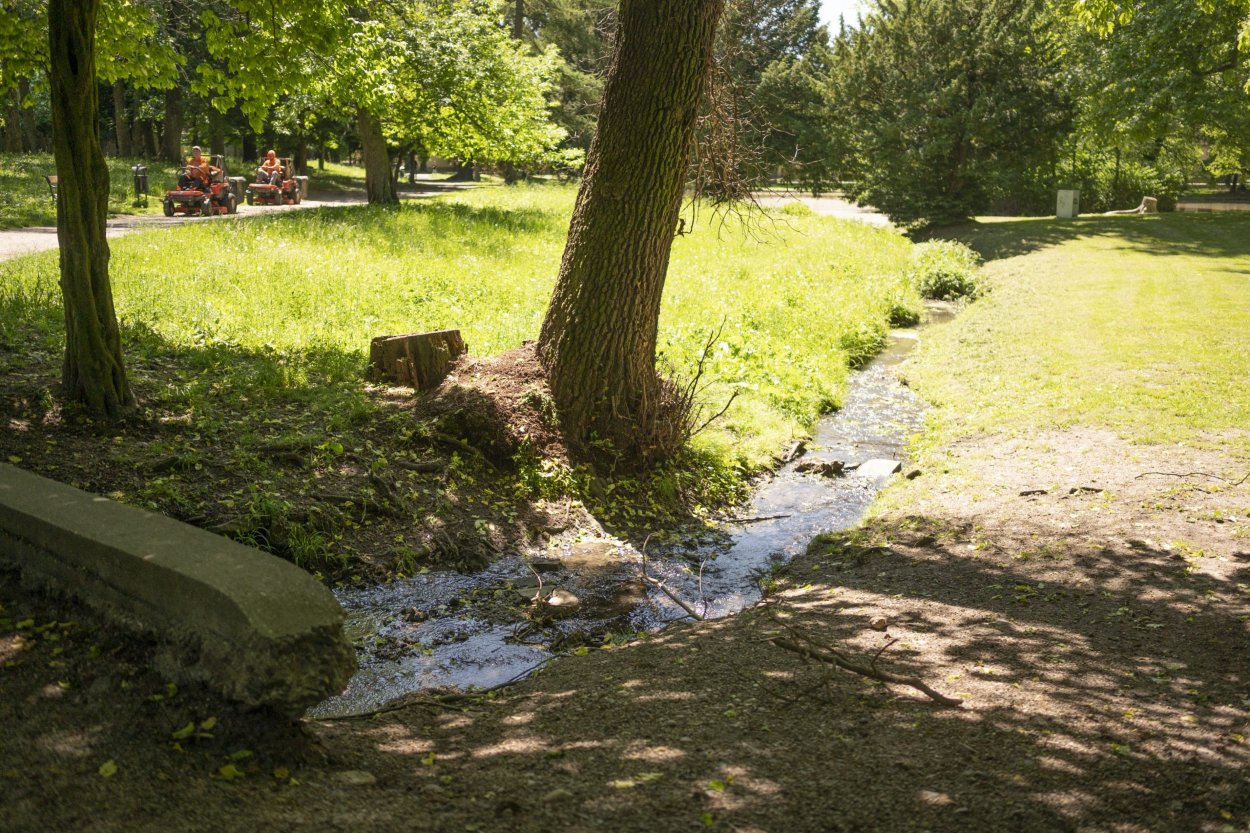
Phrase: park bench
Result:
[52,181]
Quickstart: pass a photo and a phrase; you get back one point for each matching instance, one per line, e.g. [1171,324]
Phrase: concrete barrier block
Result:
[253,627]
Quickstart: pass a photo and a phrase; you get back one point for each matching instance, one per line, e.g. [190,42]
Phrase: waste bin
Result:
[141,184]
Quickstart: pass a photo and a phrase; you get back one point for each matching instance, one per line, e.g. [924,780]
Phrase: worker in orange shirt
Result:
[198,173]
[270,170]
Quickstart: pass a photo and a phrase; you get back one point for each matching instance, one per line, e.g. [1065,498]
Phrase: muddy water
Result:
[478,630]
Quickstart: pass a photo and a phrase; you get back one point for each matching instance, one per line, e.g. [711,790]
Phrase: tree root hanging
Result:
[809,647]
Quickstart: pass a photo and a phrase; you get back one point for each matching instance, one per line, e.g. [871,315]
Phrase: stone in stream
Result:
[562,599]
[879,469]
[824,468]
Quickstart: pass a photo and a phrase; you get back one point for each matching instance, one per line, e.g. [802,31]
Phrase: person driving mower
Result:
[198,173]
[270,170]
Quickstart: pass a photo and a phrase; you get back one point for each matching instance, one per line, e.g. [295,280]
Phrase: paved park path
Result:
[18,242]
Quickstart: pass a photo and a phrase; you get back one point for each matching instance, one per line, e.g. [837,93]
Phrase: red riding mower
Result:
[284,191]
[202,200]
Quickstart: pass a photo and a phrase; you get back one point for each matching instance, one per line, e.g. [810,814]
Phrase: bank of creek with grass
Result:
[248,344]
[1067,555]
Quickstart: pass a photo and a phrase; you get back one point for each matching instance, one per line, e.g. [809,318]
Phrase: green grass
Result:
[801,301]
[1140,325]
[335,178]
[24,198]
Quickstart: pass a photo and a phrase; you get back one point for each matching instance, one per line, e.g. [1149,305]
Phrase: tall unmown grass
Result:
[797,301]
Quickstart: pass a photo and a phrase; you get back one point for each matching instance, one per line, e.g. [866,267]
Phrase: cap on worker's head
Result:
[196,149]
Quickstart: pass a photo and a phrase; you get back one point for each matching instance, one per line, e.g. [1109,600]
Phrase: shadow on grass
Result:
[296,451]
[1200,235]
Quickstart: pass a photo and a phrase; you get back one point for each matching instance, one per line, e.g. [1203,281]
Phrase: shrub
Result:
[945,270]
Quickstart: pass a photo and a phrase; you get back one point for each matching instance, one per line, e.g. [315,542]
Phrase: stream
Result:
[450,630]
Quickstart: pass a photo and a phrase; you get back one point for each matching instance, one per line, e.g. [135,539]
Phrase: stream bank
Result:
[464,631]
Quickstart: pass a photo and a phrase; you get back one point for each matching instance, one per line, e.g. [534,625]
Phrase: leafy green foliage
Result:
[943,97]
[945,270]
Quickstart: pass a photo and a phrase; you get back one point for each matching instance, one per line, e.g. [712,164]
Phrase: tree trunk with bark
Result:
[379,186]
[599,336]
[93,372]
[121,121]
[250,154]
[171,143]
[419,360]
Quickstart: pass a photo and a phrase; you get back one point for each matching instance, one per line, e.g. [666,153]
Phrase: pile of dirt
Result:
[500,405]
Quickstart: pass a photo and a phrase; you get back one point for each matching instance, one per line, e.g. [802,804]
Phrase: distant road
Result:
[25,241]
[827,207]
[17,242]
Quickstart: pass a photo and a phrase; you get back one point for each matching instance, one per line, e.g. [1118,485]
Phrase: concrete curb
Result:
[251,626]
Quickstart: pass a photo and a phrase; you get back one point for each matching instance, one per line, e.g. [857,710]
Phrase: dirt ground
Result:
[1092,616]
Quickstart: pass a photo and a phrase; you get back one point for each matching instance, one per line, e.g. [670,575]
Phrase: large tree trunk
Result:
[93,372]
[379,186]
[171,148]
[121,121]
[598,339]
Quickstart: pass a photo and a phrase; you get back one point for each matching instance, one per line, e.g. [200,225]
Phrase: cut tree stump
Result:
[419,360]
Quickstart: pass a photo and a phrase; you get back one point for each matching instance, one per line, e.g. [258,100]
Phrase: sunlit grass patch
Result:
[1136,324]
[25,199]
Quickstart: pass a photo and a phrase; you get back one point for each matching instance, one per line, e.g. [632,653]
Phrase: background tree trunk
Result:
[171,145]
[216,131]
[147,132]
[379,186]
[12,125]
[31,140]
[93,372]
[598,339]
[121,121]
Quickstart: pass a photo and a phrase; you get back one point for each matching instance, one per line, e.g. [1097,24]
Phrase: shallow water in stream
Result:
[463,631]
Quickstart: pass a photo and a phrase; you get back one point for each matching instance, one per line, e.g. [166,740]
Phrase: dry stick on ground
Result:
[1193,474]
[808,647]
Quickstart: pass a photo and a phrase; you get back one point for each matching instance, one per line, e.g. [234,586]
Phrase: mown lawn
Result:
[1140,325]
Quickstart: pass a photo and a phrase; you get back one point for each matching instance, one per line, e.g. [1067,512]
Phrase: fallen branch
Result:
[1193,474]
[836,659]
[663,588]
[759,520]
[809,647]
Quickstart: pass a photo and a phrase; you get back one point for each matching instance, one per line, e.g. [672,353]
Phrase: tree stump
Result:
[419,360]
